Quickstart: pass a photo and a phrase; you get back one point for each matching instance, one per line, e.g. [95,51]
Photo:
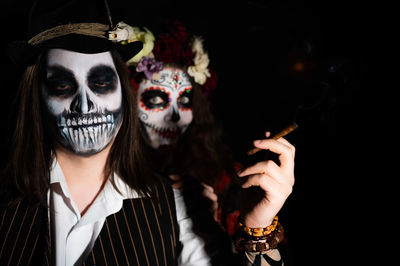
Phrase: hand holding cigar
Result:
[278,135]
[266,188]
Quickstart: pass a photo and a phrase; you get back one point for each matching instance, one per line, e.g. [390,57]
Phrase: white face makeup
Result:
[165,106]
[84,98]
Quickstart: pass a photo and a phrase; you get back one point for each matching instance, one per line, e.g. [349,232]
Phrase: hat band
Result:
[88,29]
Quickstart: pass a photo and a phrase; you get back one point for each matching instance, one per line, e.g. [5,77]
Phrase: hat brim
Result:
[24,54]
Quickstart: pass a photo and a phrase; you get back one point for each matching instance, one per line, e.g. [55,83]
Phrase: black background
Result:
[255,46]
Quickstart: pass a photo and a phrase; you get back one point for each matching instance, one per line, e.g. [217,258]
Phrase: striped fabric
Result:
[143,232]
[23,235]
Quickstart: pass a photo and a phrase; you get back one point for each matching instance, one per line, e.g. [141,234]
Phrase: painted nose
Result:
[81,103]
[175,117]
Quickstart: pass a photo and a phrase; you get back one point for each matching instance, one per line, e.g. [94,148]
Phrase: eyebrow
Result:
[59,72]
[102,72]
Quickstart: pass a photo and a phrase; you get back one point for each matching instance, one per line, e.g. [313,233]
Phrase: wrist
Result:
[256,222]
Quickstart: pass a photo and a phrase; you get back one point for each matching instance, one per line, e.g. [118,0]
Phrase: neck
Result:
[84,175]
[79,169]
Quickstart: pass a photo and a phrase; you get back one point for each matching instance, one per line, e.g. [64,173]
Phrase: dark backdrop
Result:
[279,61]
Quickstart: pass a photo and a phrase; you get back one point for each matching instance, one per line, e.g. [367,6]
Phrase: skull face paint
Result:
[165,106]
[83,96]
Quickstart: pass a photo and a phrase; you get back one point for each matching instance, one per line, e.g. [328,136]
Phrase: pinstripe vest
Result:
[143,232]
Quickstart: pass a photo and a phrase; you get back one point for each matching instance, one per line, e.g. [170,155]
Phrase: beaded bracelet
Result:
[262,231]
[271,241]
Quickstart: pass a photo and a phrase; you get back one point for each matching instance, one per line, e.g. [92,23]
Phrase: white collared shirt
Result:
[75,235]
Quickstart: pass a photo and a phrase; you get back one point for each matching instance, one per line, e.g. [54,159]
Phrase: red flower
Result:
[178,31]
[211,82]
[166,49]
[187,55]
[174,45]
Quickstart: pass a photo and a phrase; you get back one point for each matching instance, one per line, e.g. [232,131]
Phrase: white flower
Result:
[199,71]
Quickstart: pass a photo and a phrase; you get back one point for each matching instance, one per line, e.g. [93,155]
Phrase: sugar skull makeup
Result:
[83,96]
[165,106]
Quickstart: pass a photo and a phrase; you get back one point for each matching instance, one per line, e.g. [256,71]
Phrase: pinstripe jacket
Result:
[144,232]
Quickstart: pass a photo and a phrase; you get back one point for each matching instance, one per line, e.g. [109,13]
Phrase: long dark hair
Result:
[200,152]
[199,156]
[31,156]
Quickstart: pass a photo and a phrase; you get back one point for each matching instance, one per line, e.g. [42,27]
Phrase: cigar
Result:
[278,135]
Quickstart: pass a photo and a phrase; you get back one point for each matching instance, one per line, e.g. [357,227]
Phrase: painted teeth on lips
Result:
[165,132]
[169,134]
[79,121]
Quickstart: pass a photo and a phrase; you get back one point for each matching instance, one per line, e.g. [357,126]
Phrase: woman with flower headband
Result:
[185,143]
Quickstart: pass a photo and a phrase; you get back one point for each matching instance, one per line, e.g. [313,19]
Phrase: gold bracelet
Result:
[244,242]
[260,231]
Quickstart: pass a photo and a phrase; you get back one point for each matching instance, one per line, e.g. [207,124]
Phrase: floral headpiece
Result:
[177,46]
[124,33]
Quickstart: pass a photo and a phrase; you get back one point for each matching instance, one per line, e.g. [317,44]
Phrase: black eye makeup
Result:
[185,99]
[102,79]
[60,82]
[154,98]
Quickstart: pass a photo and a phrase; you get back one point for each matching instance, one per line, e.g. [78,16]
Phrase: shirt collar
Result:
[57,176]
[109,200]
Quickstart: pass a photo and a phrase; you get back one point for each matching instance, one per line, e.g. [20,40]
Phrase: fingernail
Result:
[257,142]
